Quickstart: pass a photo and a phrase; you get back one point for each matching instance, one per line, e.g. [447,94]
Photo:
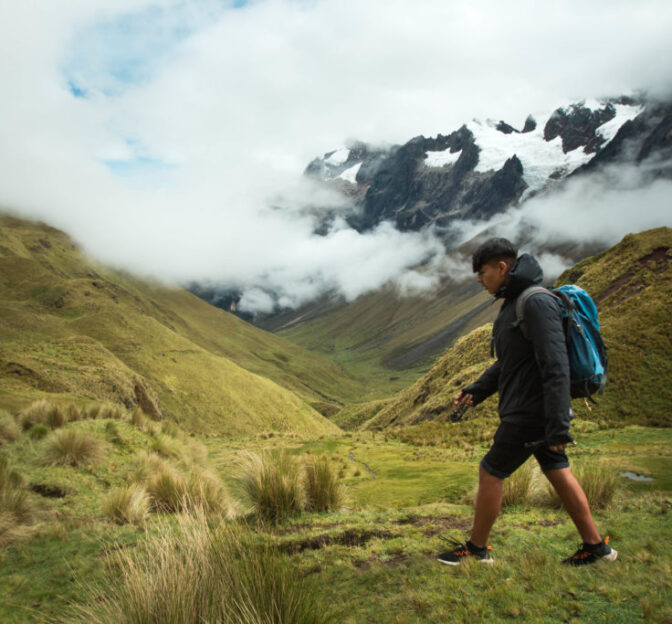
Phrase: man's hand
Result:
[462,398]
[560,447]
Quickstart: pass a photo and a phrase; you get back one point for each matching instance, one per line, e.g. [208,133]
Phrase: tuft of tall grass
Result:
[168,490]
[128,505]
[10,430]
[323,490]
[598,481]
[273,484]
[170,448]
[202,574]
[107,410]
[42,412]
[205,491]
[15,507]
[70,447]
[516,488]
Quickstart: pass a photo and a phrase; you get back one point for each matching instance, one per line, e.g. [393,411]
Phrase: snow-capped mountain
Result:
[485,167]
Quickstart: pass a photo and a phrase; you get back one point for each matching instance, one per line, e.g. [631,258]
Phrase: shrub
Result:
[273,484]
[202,574]
[9,428]
[37,432]
[323,491]
[129,504]
[70,447]
[517,486]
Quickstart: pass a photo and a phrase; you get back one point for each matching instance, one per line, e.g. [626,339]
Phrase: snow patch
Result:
[441,158]
[350,174]
[339,157]
[623,113]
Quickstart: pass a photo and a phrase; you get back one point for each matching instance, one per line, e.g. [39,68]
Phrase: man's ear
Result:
[503,267]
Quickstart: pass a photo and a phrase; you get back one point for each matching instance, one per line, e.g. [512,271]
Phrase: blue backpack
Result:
[585,347]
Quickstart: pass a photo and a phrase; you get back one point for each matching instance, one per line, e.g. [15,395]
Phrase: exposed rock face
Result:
[434,181]
[577,125]
[647,139]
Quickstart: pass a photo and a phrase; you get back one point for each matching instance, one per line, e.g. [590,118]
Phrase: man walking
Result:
[532,378]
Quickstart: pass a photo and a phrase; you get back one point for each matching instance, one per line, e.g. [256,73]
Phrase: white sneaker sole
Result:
[612,556]
[457,563]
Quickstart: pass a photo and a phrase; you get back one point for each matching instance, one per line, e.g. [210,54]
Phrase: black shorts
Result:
[509,451]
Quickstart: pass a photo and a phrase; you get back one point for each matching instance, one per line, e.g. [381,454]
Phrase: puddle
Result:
[633,476]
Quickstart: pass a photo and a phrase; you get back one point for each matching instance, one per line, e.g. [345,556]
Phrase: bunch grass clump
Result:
[202,573]
[38,432]
[599,482]
[43,412]
[273,484]
[109,411]
[70,447]
[168,490]
[323,490]
[516,488]
[15,507]
[128,505]
[10,430]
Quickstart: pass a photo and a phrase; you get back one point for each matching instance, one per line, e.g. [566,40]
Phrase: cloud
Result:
[155,131]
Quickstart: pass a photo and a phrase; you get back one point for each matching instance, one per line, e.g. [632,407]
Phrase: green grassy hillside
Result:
[632,286]
[72,330]
[388,339]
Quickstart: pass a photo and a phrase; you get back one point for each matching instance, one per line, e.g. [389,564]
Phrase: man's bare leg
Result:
[488,504]
[575,502]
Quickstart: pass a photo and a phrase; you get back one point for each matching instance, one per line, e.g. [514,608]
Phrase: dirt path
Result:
[352,458]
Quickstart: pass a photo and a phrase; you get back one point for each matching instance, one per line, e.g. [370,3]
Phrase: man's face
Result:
[493,275]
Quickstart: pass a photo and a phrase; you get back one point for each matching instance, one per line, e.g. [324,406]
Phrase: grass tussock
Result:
[15,507]
[128,505]
[10,430]
[599,482]
[109,411]
[171,490]
[70,447]
[230,578]
[273,484]
[43,412]
[323,490]
[38,432]
[517,487]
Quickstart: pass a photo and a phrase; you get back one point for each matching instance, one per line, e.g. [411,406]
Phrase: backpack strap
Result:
[520,306]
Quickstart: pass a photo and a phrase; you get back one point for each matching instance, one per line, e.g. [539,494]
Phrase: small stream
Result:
[352,458]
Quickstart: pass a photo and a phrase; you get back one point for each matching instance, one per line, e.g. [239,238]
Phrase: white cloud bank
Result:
[213,110]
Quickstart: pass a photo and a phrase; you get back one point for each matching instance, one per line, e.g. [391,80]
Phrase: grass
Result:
[71,447]
[324,492]
[517,487]
[201,574]
[129,504]
[272,484]
[10,430]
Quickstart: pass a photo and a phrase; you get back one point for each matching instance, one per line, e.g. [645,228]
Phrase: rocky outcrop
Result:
[577,126]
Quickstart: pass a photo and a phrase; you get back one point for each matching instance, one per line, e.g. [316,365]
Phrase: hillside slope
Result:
[632,286]
[73,330]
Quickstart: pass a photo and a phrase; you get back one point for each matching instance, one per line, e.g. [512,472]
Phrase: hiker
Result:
[532,378]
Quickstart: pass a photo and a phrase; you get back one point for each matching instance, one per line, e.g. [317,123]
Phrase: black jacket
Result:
[531,376]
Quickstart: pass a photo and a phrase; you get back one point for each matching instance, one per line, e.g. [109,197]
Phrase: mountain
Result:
[74,331]
[484,168]
[631,284]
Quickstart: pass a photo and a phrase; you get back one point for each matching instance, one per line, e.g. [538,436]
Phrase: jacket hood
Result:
[525,273]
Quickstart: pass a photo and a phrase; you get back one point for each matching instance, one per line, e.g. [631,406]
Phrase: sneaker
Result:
[455,556]
[587,554]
